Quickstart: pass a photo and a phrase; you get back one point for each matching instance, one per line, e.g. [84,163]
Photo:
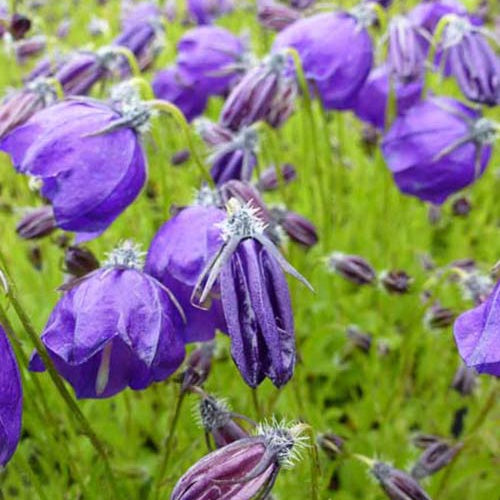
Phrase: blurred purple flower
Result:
[11,400]
[206,11]
[336,53]
[437,148]
[276,16]
[477,335]
[89,157]
[116,328]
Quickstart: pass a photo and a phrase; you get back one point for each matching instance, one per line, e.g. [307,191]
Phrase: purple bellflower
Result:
[89,157]
[133,14]
[267,92]
[437,148]
[206,11]
[477,334]
[336,52]
[467,56]
[371,103]
[233,154]
[117,327]
[245,469]
[11,400]
[255,297]
[428,14]
[181,249]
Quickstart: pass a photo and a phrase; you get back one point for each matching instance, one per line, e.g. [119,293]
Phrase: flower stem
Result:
[315,467]
[56,379]
[168,445]
[176,113]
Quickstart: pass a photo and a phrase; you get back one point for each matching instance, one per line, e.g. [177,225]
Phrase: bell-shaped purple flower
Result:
[233,154]
[477,334]
[180,89]
[437,148]
[371,103]
[134,14]
[242,470]
[11,400]
[212,57]
[206,11]
[467,56]
[428,14]
[267,92]
[336,52]
[89,157]
[118,327]
[181,249]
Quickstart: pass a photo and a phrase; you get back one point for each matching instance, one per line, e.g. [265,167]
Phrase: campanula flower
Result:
[11,400]
[206,11]
[437,148]
[117,327]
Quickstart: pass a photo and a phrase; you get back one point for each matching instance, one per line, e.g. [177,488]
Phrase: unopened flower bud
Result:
[359,339]
[298,228]
[434,458]
[180,157]
[438,317]
[79,261]
[331,444]
[398,485]
[19,26]
[423,441]
[37,223]
[352,268]
[270,180]
[461,207]
[465,380]
[396,281]
[198,366]
[275,16]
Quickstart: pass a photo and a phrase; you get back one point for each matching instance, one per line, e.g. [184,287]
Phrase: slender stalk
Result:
[54,376]
[176,113]
[168,446]
[315,466]
[256,404]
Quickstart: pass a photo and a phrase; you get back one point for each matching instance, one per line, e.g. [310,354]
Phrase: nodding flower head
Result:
[483,131]
[456,30]
[242,221]
[126,254]
[135,112]
[365,14]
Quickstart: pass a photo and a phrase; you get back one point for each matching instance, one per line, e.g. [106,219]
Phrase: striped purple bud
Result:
[353,268]
[434,458]
[276,16]
[37,223]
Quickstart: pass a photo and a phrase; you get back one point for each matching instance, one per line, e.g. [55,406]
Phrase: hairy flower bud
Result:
[434,458]
[37,223]
[397,282]
[352,268]
[270,179]
[198,367]
[79,261]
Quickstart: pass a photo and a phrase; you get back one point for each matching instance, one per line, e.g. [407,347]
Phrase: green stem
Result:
[315,467]
[256,404]
[130,57]
[176,113]
[54,376]
[168,445]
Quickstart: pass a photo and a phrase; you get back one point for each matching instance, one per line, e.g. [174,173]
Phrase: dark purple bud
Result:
[11,397]
[465,380]
[275,16]
[406,49]
[397,484]
[79,261]
[434,458]
[198,367]
[218,421]
[461,207]
[29,47]
[35,257]
[19,26]
[267,92]
[37,223]
[396,281]
[424,441]
[352,268]
[360,340]
[270,179]
[331,444]
[244,469]
[437,317]
[180,157]
[298,228]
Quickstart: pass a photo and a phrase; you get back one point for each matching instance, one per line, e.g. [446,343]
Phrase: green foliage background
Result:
[375,401]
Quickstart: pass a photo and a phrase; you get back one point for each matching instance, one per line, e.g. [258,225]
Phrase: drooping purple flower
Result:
[336,52]
[89,157]
[181,249]
[276,16]
[206,11]
[428,14]
[272,177]
[180,89]
[255,298]
[29,47]
[437,148]
[467,56]
[477,334]
[267,92]
[212,57]
[371,103]
[116,328]
[134,14]
[11,400]
[243,469]
[233,154]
